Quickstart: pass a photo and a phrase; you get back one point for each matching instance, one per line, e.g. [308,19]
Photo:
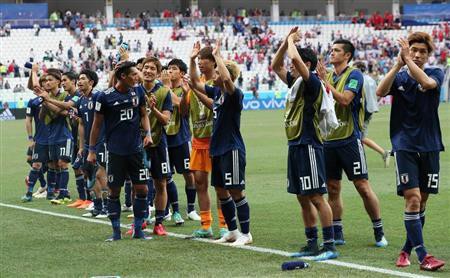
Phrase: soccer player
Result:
[38,144]
[179,134]
[202,121]
[55,114]
[343,147]
[87,80]
[69,84]
[306,161]
[416,138]
[227,147]
[122,109]
[160,103]
[371,107]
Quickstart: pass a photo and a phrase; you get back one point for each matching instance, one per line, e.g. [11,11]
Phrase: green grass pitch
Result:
[37,245]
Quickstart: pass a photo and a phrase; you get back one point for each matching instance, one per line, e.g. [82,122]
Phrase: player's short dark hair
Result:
[348,47]
[206,53]
[360,65]
[308,55]
[56,73]
[422,37]
[71,75]
[123,67]
[91,75]
[178,63]
[153,60]
[140,60]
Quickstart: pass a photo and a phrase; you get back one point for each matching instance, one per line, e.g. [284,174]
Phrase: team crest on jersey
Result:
[135,101]
[404,178]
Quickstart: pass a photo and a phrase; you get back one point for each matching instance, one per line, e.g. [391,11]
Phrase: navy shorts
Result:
[228,170]
[61,151]
[350,158]
[306,170]
[159,162]
[417,170]
[122,167]
[40,153]
[179,157]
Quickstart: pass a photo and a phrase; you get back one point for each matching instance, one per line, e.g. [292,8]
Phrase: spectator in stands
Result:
[37,29]
[7,28]
[17,89]
[70,53]
[31,55]
[3,70]
[10,72]
[6,85]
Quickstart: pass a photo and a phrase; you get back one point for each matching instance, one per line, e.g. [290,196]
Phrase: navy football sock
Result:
[338,229]
[51,180]
[79,181]
[378,229]
[139,209]
[229,213]
[32,178]
[190,195]
[407,247]
[172,195]
[42,178]
[58,179]
[128,202]
[114,216]
[311,235]
[414,233]
[328,237]
[243,212]
[159,216]
[63,181]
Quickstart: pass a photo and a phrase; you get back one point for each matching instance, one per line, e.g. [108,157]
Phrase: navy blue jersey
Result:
[414,114]
[354,83]
[227,109]
[312,91]
[59,128]
[122,118]
[75,98]
[85,107]
[40,129]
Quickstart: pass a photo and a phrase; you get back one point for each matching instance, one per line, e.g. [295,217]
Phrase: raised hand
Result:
[124,55]
[195,50]
[165,78]
[404,48]
[292,31]
[152,101]
[321,71]
[216,50]
[185,83]
[41,92]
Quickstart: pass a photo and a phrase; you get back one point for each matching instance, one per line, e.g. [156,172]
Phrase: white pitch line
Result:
[246,247]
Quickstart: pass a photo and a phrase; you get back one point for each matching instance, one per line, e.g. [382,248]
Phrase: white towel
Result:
[327,116]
